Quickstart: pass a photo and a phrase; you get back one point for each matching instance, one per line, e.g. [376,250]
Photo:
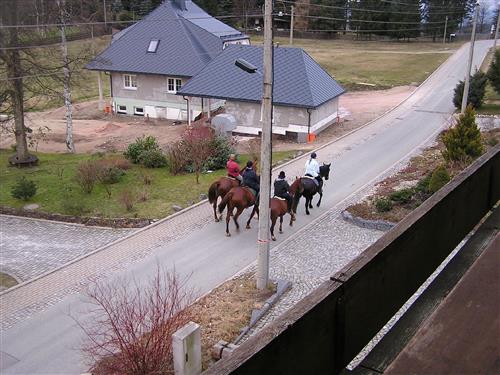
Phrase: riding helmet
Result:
[249,164]
[282,174]
[313,155]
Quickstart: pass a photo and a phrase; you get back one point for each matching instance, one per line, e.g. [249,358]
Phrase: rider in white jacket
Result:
[312,169]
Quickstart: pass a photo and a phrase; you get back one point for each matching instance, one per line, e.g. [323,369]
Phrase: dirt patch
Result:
[418,168]
[6,281]
[225,311]
[95,131]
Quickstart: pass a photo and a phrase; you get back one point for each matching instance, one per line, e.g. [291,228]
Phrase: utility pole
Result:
[445,25]
[496,30]
[265,151]
[105,17]
[469,64]
[291,28]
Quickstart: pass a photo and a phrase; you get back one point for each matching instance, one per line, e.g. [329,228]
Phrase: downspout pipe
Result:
[188,109]
[308,123]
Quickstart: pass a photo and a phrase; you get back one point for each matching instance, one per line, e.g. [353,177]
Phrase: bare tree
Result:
[197,145]
[131,325]
[12,93]
[66,79]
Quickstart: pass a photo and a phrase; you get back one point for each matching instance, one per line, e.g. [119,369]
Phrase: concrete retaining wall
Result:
[323,332]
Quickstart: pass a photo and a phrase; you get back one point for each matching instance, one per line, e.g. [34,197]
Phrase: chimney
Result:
[181,4]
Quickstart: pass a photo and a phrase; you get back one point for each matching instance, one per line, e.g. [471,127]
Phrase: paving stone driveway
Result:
[31,247]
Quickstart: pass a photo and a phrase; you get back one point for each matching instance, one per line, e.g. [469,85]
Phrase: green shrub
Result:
[402,196]
[134,150]
[463,141]
[24,189]
[423,184]
[383,204]
[494,72]
[153,159]
[477,90]
[71,205]
[111,175]
[223,147]
[439,178]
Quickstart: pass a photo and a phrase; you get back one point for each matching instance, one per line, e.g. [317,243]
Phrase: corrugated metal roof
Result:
[298,80]
[187,43]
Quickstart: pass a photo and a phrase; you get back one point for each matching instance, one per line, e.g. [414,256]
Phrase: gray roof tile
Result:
[298,80]
[188,41]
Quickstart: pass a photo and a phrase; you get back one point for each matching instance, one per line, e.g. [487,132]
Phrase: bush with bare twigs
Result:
[88,174]
[130,325]
[127,199]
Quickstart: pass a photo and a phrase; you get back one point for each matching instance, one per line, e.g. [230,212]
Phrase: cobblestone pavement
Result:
[31,247]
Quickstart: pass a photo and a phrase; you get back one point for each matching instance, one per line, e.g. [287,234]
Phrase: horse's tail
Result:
[212,192]
[223,203]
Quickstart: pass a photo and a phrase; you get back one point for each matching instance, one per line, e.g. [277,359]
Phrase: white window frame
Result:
[176,83]
[132,78]
[120,110]
[140,112]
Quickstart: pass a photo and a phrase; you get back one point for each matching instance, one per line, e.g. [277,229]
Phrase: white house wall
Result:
[152,96]
[285,119]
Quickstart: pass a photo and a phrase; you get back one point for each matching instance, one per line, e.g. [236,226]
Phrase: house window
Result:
[139,111]
[173,85]
[130,81]
[122,109]
[153,45]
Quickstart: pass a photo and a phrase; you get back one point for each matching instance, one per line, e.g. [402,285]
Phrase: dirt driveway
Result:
[95,131]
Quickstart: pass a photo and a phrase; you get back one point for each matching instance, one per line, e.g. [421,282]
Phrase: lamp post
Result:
[265,149]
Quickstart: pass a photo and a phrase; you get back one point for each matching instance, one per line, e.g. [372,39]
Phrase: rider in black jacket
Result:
[282,189]
[250,178]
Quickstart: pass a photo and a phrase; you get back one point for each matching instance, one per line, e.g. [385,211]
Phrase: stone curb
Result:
[365,223]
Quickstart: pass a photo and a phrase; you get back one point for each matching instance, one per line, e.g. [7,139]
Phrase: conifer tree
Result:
[477,90]
[463,141]
[494,72]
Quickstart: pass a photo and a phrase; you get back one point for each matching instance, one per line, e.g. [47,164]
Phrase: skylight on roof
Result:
[153,45]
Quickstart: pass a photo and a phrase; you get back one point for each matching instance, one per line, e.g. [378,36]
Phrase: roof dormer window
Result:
[153,45]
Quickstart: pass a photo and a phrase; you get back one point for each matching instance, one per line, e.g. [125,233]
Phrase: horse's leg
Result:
[307,205]
[215,211]
[292,219]
[311,200]
[251,216]
[281,224]
[273,223]
[228,217]
[320,197]
[239,210]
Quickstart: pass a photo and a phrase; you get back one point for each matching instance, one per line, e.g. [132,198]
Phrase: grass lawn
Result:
[382,64]
[58,191]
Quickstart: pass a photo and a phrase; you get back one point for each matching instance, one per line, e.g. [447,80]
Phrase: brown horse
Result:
[278,209]
[240,198]
[219,189]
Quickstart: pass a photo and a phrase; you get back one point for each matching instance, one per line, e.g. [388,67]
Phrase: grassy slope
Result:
[383,64]
[491,104]
[165,190]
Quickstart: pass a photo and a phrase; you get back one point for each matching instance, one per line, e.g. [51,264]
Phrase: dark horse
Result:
[219,189]
[240,198]
[278,208]
[306,186]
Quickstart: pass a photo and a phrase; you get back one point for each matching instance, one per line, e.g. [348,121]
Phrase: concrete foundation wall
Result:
[324,331]
[286,119]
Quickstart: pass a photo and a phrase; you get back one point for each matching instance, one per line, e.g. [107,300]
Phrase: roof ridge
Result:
[304,66]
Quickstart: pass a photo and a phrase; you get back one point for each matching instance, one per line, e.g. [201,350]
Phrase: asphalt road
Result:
[48,342]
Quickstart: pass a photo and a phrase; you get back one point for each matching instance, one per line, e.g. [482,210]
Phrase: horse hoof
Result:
[281,232]
[217,220]
[307,213]
[228,234]
[317,205]
[273,238]
[248,227]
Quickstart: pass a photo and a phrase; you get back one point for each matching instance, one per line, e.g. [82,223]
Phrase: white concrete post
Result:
[208,112]
[186,348]
[101,97]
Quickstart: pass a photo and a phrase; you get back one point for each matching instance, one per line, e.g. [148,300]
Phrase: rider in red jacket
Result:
[233,169]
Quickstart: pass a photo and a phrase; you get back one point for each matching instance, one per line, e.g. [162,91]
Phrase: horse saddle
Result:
[280,198]
[254,192]
[312,178]
[231,178]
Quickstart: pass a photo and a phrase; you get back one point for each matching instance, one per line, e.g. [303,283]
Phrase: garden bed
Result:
[398,195]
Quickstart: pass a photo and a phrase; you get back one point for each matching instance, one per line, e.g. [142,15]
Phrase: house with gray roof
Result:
[305,96]
[151,60]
